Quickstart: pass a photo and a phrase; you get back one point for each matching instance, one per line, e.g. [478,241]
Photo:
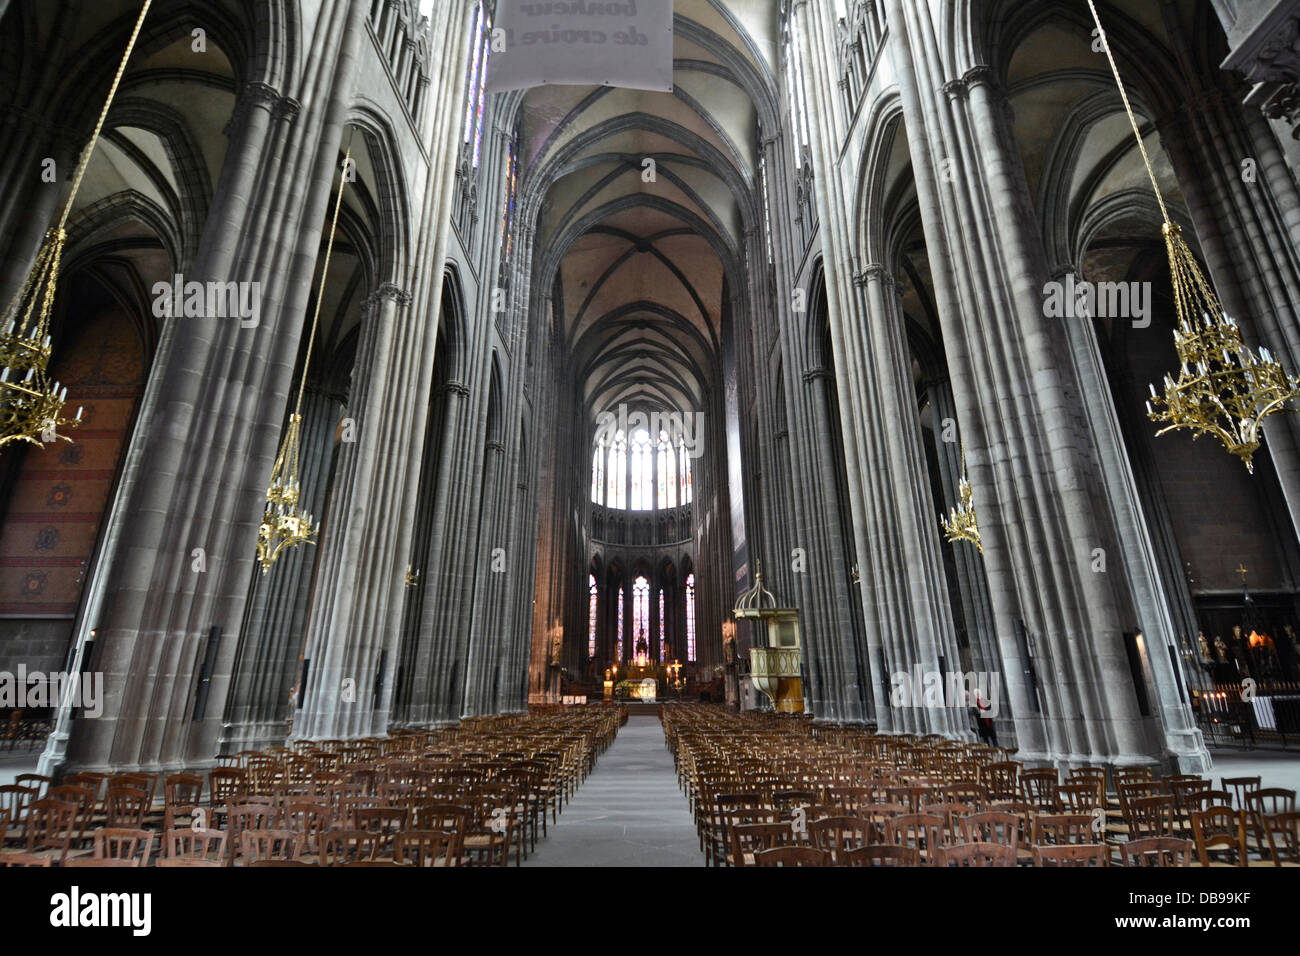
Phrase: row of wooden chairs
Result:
[440,798]
[764,769]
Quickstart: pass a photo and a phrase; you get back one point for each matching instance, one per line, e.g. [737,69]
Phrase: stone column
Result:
[184,543]
[1032,466]
[271,645]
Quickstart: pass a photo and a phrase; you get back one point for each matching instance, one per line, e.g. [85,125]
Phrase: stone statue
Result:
[1220,649]
[1204,646]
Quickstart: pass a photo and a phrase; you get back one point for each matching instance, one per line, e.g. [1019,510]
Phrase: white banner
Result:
[625,43]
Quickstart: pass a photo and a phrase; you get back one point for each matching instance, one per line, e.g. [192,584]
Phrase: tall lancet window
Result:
[618,628]
[508,212]
[598,472]
[616,493]
[476,97]
[686,480]
[690,617]
[641,616]
[663,637]
[667,472]
[591,615]
[642,472]
[767,209]
[794,75]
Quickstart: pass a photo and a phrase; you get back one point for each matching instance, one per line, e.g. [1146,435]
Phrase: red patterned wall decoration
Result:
[61,493]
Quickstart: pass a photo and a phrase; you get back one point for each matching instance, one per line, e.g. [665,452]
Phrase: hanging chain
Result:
[1105,43]
[103,116]
[325,271]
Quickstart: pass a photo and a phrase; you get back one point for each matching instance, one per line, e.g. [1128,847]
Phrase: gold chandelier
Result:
[961,524]
[284,523]
[1223,388]
[31,406]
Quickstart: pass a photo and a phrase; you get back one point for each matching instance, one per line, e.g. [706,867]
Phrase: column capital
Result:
[496,445]
[388,290]
[456,388]
[981,74]
[259,95]
[956,89]
[873,272]
[816,372]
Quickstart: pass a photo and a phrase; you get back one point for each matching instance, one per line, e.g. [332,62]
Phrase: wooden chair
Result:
[1082,796]
[1003,780]
[274,862]
[1062,828]
[1149,817]
[991,826]
[1240,788]
[339,847]
[838,834]
[309,821]
[1075,854]
[1271,800]
[1157,851]
[1279,835]
[1041,788]
[882,855]
[48,828]
[427,848]
[1220,829]
[202,844]
[14,800]
[41,782]
[268,845]
[750,838]
[925,831]
[246,816]
[976,854]
[117,847]
[182,789]
[226,786]
[84,798]
[792,856]
[125,806]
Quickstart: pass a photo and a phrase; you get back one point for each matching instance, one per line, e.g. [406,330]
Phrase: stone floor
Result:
[629,812]
[1277,768]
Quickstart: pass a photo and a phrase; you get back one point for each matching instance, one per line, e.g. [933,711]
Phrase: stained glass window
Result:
[618,628]
[794,73]
[480,47]
[662,636]
[667,473]
[690,617]
[685,461]
[641,474]
[640,615]
[616,496]
[598,473]
[591,616]
[642,477]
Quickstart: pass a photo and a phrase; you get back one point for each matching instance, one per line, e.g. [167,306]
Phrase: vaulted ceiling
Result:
[646,199]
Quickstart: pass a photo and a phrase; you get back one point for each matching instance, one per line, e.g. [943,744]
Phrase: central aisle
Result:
[629,812]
